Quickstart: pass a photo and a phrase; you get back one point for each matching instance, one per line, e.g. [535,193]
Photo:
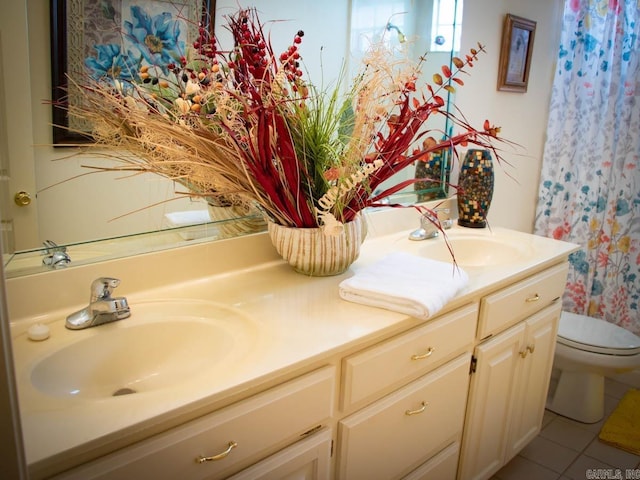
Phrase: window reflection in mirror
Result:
[429,29]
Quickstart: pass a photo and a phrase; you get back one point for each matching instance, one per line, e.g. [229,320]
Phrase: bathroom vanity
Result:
[304,384]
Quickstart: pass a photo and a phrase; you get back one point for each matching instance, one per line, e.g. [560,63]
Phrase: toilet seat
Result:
[597,336]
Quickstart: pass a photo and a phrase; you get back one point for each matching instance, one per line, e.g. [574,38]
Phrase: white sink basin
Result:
[161,345]
[469,249]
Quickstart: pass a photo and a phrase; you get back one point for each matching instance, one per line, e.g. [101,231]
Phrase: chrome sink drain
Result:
[123,391]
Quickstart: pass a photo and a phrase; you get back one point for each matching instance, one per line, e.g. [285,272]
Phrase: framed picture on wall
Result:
[113,38]
[515,54]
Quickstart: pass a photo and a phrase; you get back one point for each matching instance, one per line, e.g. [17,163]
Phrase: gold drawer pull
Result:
[219,456]
[428,353]
[524,353]
[531,347]
[417,411]
[535,298]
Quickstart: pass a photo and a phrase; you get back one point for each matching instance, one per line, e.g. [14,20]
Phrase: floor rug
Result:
[622,428]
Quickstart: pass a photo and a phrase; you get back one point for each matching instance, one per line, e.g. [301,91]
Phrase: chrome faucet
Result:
[103,308]
[55,256]
[429,223]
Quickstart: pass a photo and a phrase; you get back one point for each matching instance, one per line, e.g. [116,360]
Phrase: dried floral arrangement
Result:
[243,125]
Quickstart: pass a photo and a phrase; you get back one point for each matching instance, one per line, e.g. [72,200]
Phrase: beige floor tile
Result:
[630,378]
[614,388]
[612,455]
[549,454]
[548,417]
[565,432]
[521,468]
[579,469]
[610,404]
[591,427]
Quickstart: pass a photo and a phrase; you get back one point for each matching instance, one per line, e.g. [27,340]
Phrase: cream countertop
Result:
[305,324]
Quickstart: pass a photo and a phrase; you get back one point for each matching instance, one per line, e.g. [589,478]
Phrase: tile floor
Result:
[566,449]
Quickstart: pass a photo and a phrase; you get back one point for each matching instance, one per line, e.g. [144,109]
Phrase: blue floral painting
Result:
[147,35]
[110,62]
[113,40]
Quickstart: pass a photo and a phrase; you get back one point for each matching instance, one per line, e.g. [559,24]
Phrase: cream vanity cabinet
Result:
[455,397]
[280,428]
[414,387]
[512,365]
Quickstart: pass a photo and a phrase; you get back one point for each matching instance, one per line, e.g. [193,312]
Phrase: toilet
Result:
[587,349]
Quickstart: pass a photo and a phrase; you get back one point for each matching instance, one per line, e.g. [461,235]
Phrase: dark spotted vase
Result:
[476,188]
[429,172]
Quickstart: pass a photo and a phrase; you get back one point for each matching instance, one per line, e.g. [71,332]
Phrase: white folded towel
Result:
[405,283]
[187,217]
[196,219]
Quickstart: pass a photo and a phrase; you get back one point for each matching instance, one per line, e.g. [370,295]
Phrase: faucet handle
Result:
[51,247]
[438,217]
[444,216]
[102,288]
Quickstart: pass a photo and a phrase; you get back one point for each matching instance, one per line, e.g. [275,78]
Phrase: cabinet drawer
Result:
[443,466]
[399,432]
[502,309]
[258,426]
[308,459]
[407,355]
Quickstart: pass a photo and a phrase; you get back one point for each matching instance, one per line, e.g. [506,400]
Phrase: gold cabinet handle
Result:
[219,456]
[417,411]
[428,353]
[524,352]
[535,298]
[531,347]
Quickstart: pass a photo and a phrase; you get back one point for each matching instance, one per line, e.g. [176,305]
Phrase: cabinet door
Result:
[309,459]
[490,402]
[533,384]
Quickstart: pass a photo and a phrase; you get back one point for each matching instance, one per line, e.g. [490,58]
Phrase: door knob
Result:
[22,198]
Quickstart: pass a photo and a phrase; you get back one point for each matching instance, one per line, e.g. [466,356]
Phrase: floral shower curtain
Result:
[590,182]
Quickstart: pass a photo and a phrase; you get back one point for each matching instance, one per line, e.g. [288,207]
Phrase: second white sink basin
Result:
[469,249]
[162,344]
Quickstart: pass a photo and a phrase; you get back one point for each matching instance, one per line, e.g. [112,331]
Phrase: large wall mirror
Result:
[92,217]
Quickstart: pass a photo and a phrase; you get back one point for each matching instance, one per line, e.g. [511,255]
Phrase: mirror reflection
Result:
[104,215]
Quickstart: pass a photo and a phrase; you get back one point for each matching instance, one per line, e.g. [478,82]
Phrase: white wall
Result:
[522,116]
[325,24]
